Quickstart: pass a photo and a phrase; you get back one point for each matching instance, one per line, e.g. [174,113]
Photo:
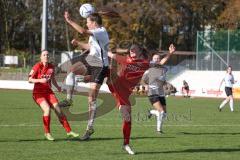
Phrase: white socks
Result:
[160,116]
[160,121]
[70,79]
[225,102]
[92,114]
[231,104]
[154,112]
[70,82]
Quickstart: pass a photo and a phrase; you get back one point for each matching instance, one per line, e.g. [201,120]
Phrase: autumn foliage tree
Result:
[153,23]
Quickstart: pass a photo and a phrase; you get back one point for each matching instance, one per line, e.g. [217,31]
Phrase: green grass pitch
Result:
[194,130]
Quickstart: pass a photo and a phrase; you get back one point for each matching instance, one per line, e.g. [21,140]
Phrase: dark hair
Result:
[143,51]
[156,53]
[95,17]
[44,50]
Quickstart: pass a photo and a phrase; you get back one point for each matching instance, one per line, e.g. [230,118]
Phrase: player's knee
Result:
[56,106]
[93,105]
[126,114]
[46,111]
[91,99]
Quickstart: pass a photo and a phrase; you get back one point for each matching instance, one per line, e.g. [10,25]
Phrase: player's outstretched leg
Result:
[92,108]
[63,120]
[231,103]
[92,113]
[160,113]
[223,104]
[160,122]
[126,127]
[70,83]
[78,73]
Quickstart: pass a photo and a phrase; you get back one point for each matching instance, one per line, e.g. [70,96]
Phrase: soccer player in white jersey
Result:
[155,77]
[229,81]
[97,60]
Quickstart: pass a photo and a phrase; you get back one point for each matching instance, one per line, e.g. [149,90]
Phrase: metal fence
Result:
[215,50]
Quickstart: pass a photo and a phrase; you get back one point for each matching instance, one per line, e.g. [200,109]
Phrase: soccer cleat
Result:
[65,103]
[49,137]
[149,115]
[72,134]
[87,134]
[219,109]
[160,132]
[128,149]
[164,115]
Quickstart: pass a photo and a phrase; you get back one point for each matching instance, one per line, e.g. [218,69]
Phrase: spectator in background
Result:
[185,89]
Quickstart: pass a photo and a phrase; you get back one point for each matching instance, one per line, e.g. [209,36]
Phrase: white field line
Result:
[119,125]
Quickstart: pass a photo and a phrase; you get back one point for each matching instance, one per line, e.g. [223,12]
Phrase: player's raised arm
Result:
[118,58]
[75,25]
[171,51]
[80,44]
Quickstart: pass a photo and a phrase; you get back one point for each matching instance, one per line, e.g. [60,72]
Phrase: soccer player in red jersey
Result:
[133,67]
[42,75]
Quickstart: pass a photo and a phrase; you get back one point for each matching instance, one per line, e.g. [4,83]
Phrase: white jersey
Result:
[155,77]
[98,42]
[229,80]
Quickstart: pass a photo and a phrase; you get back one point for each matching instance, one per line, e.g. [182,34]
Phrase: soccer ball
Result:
[86,9]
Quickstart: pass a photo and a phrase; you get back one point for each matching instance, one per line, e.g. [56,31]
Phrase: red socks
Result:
[65,124]
[63,121]
[46,123]
[126,127]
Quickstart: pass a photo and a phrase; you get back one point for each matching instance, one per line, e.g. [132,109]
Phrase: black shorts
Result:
[156,98]
[97,74]
[228,91]
[186,88]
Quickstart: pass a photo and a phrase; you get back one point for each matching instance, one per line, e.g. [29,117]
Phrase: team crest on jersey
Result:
[139,63]
[47,76]
[133,68]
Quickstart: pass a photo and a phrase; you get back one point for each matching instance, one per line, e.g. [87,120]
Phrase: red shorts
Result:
[50,98]
[120,94]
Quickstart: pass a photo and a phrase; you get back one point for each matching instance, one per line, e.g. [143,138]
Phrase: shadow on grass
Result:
[76,139]
[37,140]
[120,138]
[189,133]
[200,150]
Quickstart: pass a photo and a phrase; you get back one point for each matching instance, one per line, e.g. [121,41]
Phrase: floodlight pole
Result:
[197,67]
[228,47]
[44,25]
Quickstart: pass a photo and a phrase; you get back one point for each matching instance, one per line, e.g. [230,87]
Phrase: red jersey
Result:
[132,72]
[41,71]
[130,75]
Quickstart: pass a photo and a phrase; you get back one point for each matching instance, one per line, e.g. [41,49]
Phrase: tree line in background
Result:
[153,23]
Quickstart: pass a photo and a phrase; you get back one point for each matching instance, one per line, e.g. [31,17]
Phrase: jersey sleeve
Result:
[145,77]
[97,33]
[34,71]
